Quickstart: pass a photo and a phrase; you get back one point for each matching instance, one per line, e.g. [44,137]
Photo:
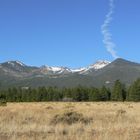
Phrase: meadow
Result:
[70,121]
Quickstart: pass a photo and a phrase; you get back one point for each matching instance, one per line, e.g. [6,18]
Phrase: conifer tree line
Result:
[43,94]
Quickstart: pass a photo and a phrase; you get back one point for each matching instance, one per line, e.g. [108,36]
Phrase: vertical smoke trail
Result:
[109,44]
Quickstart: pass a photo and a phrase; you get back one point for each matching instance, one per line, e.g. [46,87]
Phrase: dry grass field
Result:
[70,121]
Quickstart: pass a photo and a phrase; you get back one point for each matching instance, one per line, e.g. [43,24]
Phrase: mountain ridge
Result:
[57,70]
[16,73]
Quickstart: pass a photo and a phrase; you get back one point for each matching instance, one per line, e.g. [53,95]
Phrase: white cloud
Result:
[109,44]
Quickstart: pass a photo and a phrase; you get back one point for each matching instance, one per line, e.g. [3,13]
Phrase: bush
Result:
[70,118]
[3,103]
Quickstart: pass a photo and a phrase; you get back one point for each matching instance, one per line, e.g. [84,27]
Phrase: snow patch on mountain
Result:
[55,70]
[77,70]
[20,63]
[14,63]
[99,64]
[11,63]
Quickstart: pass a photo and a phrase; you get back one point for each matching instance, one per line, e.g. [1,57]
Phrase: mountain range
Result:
[16,73]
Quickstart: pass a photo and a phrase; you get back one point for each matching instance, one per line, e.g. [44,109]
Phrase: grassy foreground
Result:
[70,121]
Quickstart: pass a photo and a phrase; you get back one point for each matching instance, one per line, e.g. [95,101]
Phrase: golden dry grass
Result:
[32,121]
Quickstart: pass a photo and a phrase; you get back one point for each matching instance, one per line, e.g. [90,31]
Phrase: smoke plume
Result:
[109,44]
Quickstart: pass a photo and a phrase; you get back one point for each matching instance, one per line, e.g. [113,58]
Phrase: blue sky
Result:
[66,32]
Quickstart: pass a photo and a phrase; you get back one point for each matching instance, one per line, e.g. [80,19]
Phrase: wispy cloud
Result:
[109,44]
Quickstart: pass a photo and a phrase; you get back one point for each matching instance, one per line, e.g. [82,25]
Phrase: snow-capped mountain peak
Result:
[15,63]
[100,64]
[55,70]
[96,66]
[20,63]
[84,70]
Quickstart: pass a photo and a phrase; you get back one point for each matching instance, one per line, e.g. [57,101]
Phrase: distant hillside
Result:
[15,73]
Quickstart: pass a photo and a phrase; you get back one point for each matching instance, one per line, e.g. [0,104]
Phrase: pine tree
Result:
[118,93]
[105,94]
[134,91]
[94,95]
